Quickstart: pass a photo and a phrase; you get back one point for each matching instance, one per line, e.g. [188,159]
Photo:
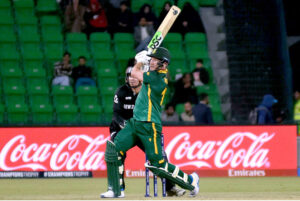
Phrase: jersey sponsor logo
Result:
[128,107]
[116,100]
[128,98]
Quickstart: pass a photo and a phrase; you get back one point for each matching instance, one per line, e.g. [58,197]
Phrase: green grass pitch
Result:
[260,188]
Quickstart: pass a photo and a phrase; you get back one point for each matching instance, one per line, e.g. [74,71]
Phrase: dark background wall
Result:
[256,54]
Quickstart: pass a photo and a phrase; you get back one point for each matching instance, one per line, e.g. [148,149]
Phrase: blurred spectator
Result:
[200,74]
[62,4]
[184,90]
[202,111]
[74,13]
[297,106]
[63,71]
[95,18]
[146,12]
[189,20]
[163,14]
[264,110]
[116,3]
[164,11]
[280,116]
[187,115]
[143,34]
[124,21]
[82,74]
[169,114]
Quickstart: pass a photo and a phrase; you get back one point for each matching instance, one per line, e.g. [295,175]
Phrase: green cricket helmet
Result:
[161,53]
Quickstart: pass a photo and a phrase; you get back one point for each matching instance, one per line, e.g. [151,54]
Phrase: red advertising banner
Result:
[211,151]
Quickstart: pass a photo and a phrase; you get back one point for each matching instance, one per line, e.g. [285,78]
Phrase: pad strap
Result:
[173,177]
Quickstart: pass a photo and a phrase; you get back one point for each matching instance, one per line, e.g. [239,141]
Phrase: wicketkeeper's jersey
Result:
[151,97]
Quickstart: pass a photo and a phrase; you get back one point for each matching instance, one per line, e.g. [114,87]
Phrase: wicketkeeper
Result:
[146,127]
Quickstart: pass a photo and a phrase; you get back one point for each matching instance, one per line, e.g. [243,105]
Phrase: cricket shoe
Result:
[195,183]
[110,194]
[174,191]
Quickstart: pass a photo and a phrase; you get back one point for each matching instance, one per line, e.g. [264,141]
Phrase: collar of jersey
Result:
[163,71]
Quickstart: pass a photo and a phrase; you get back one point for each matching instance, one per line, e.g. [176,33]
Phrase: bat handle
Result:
[149,51]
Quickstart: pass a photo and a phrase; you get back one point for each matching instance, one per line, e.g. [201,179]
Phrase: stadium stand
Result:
[87,95]
[66,113]
[42,113]
[77,45]
[62,95]
[14,93]
[173,41]
[104,59]
[38,94]
[46,6]
[100,41]
[91,113]
[158,5]
[137,4]
[17,113]
[2,113]
[32,39]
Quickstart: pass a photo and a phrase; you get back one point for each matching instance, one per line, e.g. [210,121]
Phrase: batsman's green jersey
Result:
[148,103]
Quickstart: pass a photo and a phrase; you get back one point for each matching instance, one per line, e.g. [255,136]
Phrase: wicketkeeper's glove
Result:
[122,124]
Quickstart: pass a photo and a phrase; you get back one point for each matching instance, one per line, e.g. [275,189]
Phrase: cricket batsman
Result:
[146,127]
[124,101]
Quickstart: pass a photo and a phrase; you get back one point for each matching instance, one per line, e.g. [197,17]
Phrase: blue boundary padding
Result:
[298,172]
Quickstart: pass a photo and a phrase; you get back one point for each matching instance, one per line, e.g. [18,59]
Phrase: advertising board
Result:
[209,150]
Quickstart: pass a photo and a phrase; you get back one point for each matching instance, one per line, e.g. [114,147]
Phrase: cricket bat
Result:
[164,28]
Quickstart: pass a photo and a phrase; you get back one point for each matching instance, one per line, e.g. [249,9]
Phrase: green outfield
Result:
[210,188]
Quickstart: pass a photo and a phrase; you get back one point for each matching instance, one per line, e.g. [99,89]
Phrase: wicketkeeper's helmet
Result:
[128,72]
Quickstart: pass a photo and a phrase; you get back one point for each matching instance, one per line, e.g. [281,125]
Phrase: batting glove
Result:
[142,57]
[146,68]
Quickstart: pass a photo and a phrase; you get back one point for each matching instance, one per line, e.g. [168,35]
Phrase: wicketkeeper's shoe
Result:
[174,191]
[110,194]
[195,183]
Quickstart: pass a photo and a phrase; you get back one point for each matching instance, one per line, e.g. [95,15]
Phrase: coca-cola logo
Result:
[230,152]
[190,148]
[66,155]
